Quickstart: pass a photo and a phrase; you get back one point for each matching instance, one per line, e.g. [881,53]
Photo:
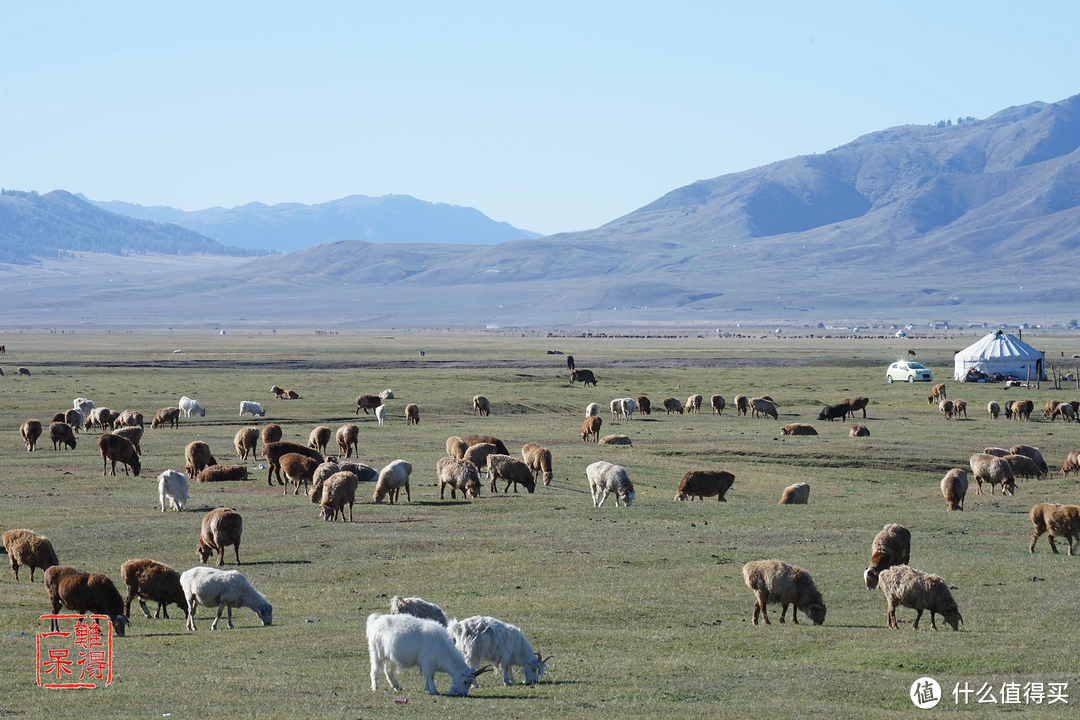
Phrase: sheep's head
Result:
[266,613]
[472,487]
[953,617]
[548,477]
[204,551]
[870,577]
[378,495]
[534,669]
[120,622]
[816,612]
[681,495]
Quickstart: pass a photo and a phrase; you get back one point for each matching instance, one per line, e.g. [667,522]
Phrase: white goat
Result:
[174,486]
[592,410]
[83,405]
[209,586]
[606,478]
[380,414]
[629,405]
[485,639]
[190,407]
[396,642]
[252,408]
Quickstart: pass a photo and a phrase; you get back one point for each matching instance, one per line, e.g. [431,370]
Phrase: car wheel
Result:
[888,379]
[911,378]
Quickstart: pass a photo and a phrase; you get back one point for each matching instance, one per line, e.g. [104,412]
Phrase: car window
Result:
[916,366]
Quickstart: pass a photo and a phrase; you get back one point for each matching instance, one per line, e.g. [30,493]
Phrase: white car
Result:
[908,371]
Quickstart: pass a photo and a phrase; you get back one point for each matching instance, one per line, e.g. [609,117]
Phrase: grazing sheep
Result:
[997,452]
[742,404]
[275,451]
[1023,466]
[129,418]
[1008,409]
[367,402]
[833,412]
[919,591]
[196,457]
[245,442]
[1065,410]
[1056,521]
[380,415]
[718,404]
[221,527]
[252,408]
[481,406]
[270,433]
[149,580]
[224,588]
[512,470]
[859,431]
[62,417]
[223,473]
[538,459]
[478,454]
[456,447]
[457,475]
[190,407]
[99,418]
[338,491]
[396,642]
[628,406]
[798,429]
[959,406]
[1048,410]
[591,428]
[1022,409]
[72,417]
[592,410]
[937,394]
[857,403]
[25,548]
[61,433]
[30,431]
[298,470]
[606,478]
[672,405]
[485,639]
[993,409]
[118,449]
[412,414]
[946,408]
[693,403]
[166,416]
[615,440]
[777,582]
[348,439]
[797,494]
[319,437]
[174,486]
[644,405]
[82,592]
[392,479]
[1072,462]
[418,607]
[891,546]
[703,484]
[764,407]
[24,371]
[1033,453]
[133,434]
[478,439]
[954,487]
[992,470]
[586,377]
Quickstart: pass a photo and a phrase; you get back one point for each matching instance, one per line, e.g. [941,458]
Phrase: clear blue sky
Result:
[552,116]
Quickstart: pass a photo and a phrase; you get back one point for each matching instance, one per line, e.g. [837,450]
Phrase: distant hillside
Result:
[36,225]
[293,226]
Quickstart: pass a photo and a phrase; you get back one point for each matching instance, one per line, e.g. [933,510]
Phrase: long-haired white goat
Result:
[485,639]
[396,642]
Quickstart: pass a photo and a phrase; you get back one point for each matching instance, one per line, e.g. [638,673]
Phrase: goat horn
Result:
[481,671]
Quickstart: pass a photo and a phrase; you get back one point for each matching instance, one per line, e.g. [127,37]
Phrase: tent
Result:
[1000,353]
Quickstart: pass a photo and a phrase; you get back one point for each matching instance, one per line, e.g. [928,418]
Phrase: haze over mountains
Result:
[977,220]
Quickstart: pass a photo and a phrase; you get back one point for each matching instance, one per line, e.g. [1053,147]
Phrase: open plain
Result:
[643,609]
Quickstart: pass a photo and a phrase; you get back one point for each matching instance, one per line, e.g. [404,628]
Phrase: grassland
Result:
[643,608]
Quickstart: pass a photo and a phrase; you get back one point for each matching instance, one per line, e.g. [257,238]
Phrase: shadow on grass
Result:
[274,562]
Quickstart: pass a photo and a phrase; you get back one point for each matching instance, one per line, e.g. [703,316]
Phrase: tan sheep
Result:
[1048,410]
[742,405]
[245,442]
[457,475]
[919,591]
[777,582]
[392,479]
[166,416]
[616,439]
[764,407]
[26,548]
[945,407]
[538,459]
[275,451]
[348,439]
[937,394]
[798,429]
[797,494]
[1022,409]
[338,491]
[271,432]
[223,473]
[1023,466]
[891,546]
[590,428]
[718,404]
[284,394]
[134,435]
[993,409]
[30,431]
[149,580]
[478,454]
[318,438]
[299,470]
[100,418]
[456,447]
[61,434]
[196,457]
[1056,521]
[129,418]
[959,406]
[221,527]
[412,414]
[954,487]
[992,470]
[1072,463]
[481,405]
[997,452]
[1033,453]
[857,403]
[859,431]
[510,469]
[118,449]
[693,403]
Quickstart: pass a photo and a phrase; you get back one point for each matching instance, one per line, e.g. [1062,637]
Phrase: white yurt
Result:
[1001,353]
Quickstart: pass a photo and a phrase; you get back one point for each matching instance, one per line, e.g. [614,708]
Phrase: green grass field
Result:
[643,609]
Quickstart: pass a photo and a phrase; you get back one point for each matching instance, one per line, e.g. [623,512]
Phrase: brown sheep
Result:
[319,438]
[274,451]
[245,441]
[196,457]
[742,404]
[1048,410]
[367,402]
[693,403]
[644,405]
[993,470]
[26,548]
[1023,466]
[859,431]
[797,494]
[457,475]
[220,528]
[223,473]
[1072,463]
[61,417]
[481,405]
[512,470]
[129,418]
[338,490]
[703,484]
[412,414]
[1056,521]
[763,406]
[538,459]
[169,415]
[891,546]
[616,439]
[73,418]
[857,403]
[30,431]
[954,487]
[478,454]
[118,449]
[348,439]
[83,592]
[477,439]
[1065,410]
[298,469]
[672,405]
[946,408]
[61,434]
[456,447]
[149,580]
[779,582]
[798,429]
[919,591]
[718,404]
[271,432]
[959,406]
[937,394]
[1022,409]
[283,394]
[1033,453]
[591,428]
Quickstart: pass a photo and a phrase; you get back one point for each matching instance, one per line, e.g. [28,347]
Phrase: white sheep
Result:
[919,591]
[396,642]
[485,639]
[778,582]
[629,405]
[616,408]
[380,414]
[418,607]
[392,478]
[592,410]
[83,405]
[606,478]
[190,407]
[209,586]
[250,407]
[174,486]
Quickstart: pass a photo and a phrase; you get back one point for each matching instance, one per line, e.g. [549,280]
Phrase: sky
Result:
[552,116]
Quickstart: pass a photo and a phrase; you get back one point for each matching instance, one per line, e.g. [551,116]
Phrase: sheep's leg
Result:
[163,610]
[1053,546]
[408,495]
[933,625]
[508,675]
[236,549]
[795,614]
[429,680]
[391,677]
[783,612]
[213,625]
[350,513]
[191,613]
[602,499]
[918,617]
[890,616]
[142,606]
